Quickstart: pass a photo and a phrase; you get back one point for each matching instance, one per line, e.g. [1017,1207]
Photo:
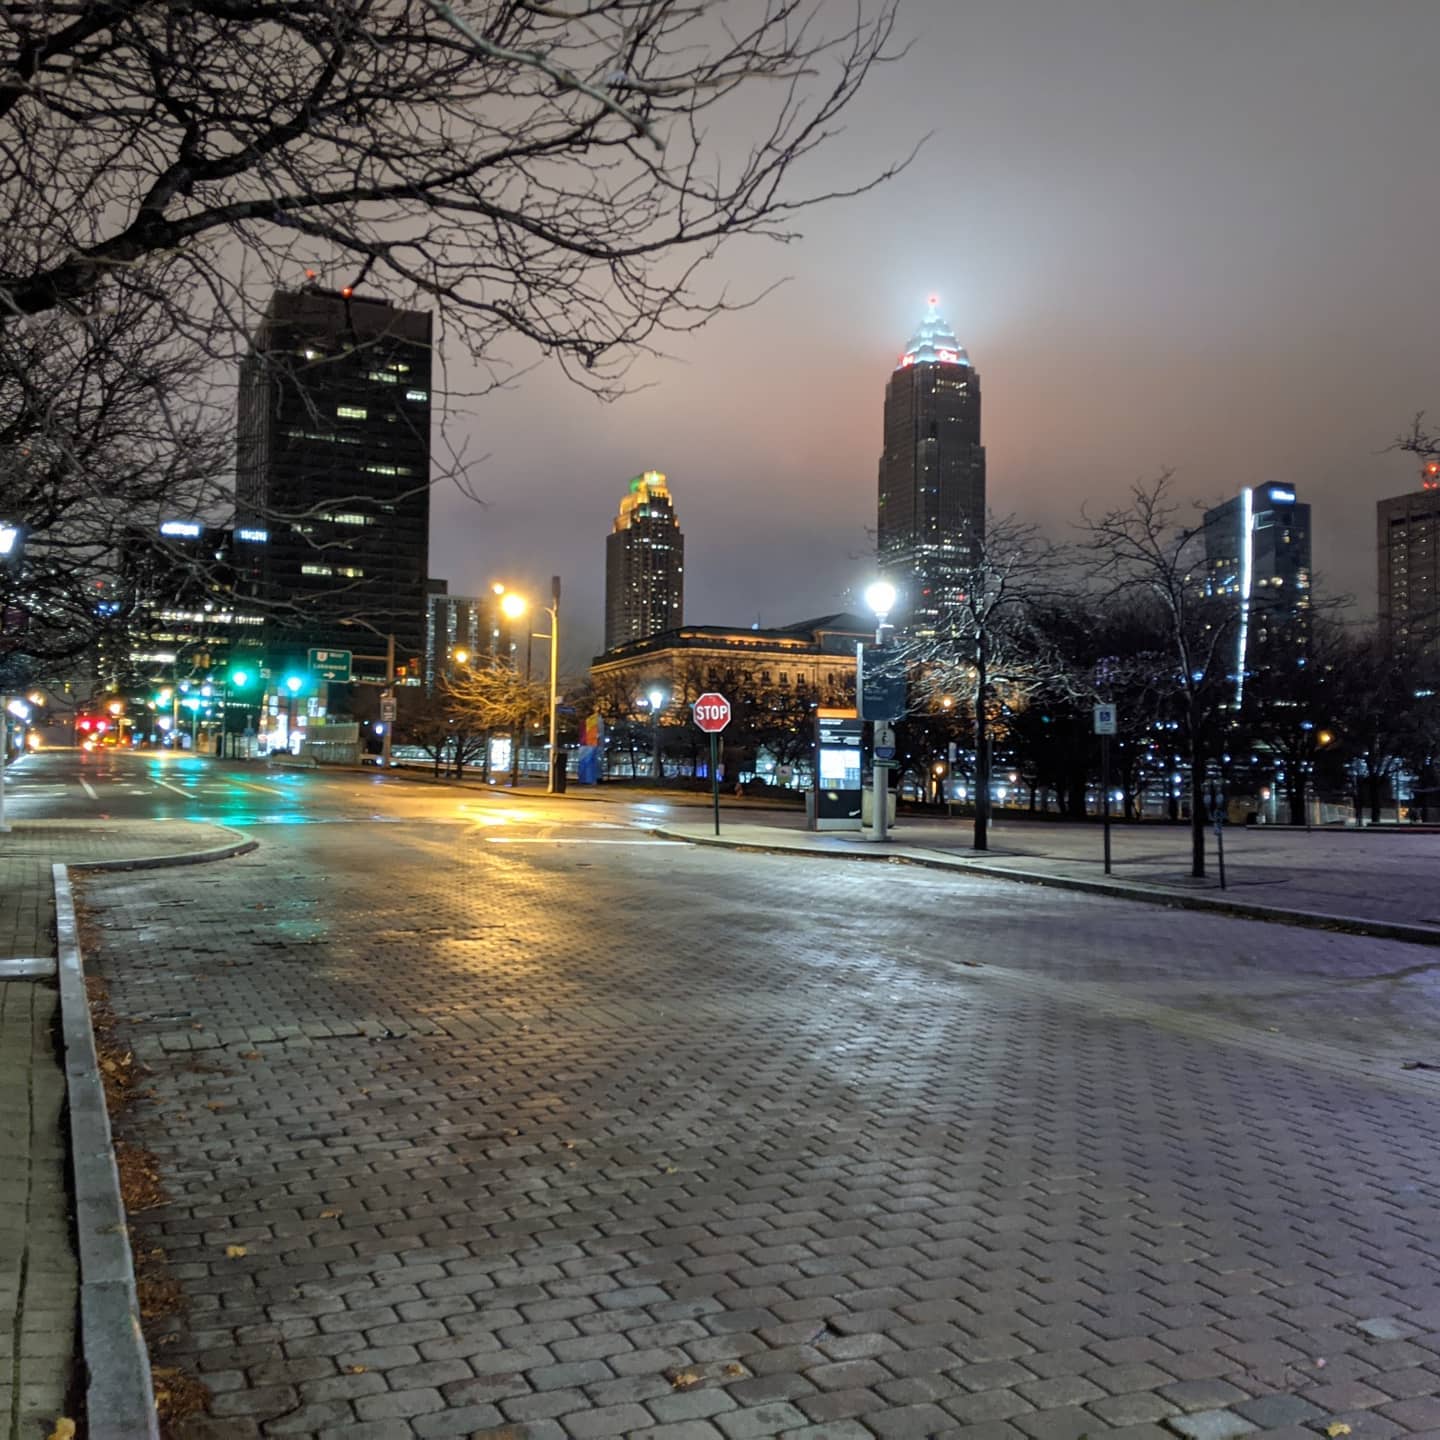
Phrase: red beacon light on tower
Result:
[1430,475]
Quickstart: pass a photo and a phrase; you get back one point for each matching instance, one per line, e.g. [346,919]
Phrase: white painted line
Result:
[517,840]
[188,794]
[89,789]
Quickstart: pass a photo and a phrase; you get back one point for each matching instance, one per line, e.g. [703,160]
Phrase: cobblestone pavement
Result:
[37,1263]
[554,1132]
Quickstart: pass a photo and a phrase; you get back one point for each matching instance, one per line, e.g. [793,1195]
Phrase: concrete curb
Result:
[166,862]
[119,1393]
[119,1396]
[1172,900]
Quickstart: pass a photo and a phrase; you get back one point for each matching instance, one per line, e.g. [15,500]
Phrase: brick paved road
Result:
[514,1134]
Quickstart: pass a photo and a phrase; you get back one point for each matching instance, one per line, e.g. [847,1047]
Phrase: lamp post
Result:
[553,611]
[656,697]
[880,596]
[512,607]
[12,545]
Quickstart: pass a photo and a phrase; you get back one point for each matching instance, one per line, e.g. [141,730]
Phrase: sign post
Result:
[881,692]
[1105,723]
[712,715]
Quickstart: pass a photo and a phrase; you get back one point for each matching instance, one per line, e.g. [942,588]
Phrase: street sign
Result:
[1105,719]
[331,664]
[884,743]
[712,712]
[387,709]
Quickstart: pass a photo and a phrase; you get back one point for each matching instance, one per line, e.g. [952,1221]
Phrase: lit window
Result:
[417,394]
[316,570]
[351,412]
[347,517]
[384,377]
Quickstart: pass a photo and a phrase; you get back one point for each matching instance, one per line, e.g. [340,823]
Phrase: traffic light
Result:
[294,683]
[240,678]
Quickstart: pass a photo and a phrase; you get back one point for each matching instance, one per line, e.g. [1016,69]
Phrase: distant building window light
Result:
[385,377]
[417,394]
[189,528]
[352,412]
[350,572]
[347,517]
[387,469]
[258,536]
[317,570]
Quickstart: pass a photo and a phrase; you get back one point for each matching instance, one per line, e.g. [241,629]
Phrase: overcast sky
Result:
[1200,234]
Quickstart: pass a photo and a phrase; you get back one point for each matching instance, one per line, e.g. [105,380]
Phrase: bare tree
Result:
[547,177]
[1142,551]
[539,171]
[986,643]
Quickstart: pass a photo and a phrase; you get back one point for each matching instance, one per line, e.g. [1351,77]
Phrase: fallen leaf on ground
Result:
[234,1252]
[733,1369]
[329,1214]
[214,1104]
[249,1054]
[1337,1427]
[354,1369]
[64,1429]
[684,1379]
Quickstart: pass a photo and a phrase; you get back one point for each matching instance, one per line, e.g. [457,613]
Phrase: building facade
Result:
[931,511]
[813,661]
[1408,549]
[475,628]
[644,565]
[1257,555]
[333,467]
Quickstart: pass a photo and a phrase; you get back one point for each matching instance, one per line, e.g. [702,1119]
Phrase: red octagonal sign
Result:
[712,712]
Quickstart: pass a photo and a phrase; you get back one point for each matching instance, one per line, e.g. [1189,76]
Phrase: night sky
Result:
[1170,233]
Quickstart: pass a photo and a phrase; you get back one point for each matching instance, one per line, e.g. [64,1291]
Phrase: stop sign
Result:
[712,712]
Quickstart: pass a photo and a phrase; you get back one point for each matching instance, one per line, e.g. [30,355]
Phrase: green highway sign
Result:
[330,664]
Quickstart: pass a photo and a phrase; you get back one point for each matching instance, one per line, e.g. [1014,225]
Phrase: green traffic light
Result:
[239,678]
[294,683]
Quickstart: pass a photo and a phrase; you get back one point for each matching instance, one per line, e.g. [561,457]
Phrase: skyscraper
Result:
[1409,555]
[334,466]
[1257,553]
[932,474]
[644,564]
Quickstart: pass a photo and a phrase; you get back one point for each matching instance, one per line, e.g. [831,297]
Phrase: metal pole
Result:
[554,612]
[1105,788]
[878,783]
[715,776]
[1220,845]
[4,756]
[390,692]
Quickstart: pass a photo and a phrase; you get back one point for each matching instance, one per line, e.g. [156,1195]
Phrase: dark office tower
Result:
[1409,552]
[932,474]
[644,565]
[334,463]
[1257,554]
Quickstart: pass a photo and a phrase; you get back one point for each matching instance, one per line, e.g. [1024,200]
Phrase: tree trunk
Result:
[1197,813]
[514,759]
[1374,798]
[982,747]
[1297,801]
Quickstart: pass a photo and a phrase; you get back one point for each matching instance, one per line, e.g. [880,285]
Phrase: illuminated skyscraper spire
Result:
[934,342]
[932,475]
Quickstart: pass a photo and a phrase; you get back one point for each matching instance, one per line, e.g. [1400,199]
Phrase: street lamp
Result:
[513,606]
[656,697]
[880,596]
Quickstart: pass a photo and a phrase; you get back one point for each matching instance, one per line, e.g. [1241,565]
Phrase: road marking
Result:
[89,789]
[517,840]
[186,793]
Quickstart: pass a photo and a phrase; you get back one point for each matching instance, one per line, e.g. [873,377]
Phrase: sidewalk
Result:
[1304,881]
[39,1284]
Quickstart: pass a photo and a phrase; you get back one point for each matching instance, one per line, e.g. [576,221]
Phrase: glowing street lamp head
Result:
[881,596]
[460,657]
[512,606]
[656,699]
